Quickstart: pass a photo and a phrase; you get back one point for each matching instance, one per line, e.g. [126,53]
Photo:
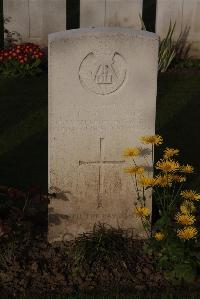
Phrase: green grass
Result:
[23,125]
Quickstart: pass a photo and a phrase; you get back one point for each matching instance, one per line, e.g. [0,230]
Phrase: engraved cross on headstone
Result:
[100,163]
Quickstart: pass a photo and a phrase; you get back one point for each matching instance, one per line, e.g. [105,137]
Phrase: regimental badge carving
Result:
[102,74]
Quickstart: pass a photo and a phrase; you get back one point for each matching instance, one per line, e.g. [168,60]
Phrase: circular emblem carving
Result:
[102,74]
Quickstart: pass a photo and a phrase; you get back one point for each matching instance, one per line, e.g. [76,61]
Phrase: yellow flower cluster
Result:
[134,170]
[146,181]
[159,236]
[190,195]
[170,171]
[163,180]
[187,233]
[170,152]
[178,178]
[131,152]
[187,207]
[152,139]
[185,219]
[167,165]
[187,168]
[142,211]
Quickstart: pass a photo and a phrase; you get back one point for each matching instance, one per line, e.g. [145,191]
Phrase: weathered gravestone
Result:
[102,98]
[186,15]
[35,19]
[114,13]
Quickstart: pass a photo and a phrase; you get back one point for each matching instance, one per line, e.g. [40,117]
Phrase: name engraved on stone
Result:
[100,164]
[136,124]
[99,216]
[102,74]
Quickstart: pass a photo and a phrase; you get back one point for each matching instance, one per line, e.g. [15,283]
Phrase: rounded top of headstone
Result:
[99,31]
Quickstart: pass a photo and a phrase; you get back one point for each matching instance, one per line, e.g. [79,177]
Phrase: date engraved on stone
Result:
[102,74]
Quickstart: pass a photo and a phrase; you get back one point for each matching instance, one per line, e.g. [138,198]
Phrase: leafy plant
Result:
[102,244]
[167,50]
[174,238]
[21,60]
[170,50]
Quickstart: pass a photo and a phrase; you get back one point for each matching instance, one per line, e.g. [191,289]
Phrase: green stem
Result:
[143,195]
[159,198]
[152,154]
[174,199]
[146,230]
[136,183]
[137,190]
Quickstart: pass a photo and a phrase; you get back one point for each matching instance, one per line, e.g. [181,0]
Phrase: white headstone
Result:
[110,13]
[35,19]
[102,98]
[186,15]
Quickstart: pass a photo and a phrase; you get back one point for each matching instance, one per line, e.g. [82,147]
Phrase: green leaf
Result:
[163,261]
[182,272]
[163,221]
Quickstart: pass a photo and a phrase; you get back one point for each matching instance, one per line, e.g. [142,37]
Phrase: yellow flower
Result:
[159,236]
[179,178]
[134,170]
[167,165]
[187,233]
[146,181]
[170,152]
[187,168]
[131,152]
[152,139]
[163,180]
[190,194]
[187,207]
[142,212]
[185,219]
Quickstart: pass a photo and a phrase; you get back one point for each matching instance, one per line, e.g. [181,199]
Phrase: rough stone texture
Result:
[114,13]
[186,14]
[35,19]
[102,98]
